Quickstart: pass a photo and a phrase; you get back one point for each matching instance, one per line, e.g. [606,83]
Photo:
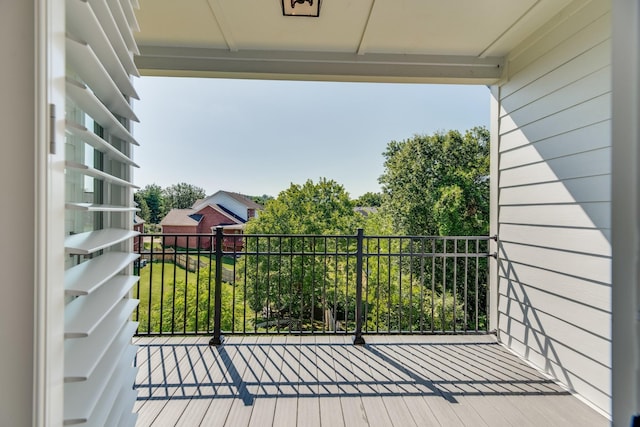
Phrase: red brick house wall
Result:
[139,227]
[180,241]
[210,218]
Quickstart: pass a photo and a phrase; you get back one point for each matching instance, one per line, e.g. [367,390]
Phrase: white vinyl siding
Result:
[554,202]
[99,372]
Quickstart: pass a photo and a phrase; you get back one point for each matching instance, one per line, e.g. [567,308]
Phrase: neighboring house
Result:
[222,209]
[235,203]
[195,221]
[365,211]
[138,226]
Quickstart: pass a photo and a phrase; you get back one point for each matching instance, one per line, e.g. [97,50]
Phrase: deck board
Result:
[326,381]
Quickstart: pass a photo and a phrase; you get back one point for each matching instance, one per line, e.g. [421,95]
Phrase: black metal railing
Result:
[273,284]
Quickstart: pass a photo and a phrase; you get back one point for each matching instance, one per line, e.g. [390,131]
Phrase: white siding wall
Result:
[554,202]
[230,203]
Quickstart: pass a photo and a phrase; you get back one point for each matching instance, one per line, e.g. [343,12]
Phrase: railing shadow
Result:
[250,371]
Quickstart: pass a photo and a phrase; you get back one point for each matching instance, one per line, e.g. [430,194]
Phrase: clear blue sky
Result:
[257,137]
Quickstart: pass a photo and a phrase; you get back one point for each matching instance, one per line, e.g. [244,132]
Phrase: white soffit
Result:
[409,40]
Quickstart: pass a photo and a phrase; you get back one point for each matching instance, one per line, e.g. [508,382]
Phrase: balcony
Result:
[288,310]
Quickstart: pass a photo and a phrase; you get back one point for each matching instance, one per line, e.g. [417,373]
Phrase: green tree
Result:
[153,195]
[369,199]
[182,195]
[144,213]
[312,208]
[438,184]
[261,200]
[292,290]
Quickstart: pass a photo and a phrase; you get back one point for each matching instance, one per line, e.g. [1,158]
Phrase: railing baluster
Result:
[455,283]
[466,276]
[217,313]
[209,255]
[150,294]
[358,339]
[175,284]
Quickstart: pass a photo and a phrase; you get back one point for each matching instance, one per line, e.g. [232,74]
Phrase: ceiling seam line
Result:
[222,25]
[362,44]
[509,28]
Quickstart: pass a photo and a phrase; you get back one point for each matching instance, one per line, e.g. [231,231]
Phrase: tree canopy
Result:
[153,197]
[438,184]
[323,207]
[369,199]
[182,195]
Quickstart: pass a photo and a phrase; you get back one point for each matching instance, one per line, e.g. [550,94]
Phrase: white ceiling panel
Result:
[187,23]
[441,37]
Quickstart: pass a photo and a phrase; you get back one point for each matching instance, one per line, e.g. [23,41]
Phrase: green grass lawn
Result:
[163,289]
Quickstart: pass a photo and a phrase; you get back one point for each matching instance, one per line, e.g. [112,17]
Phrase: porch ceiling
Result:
[461,41]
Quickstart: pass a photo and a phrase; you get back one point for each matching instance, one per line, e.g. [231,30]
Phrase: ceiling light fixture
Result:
[301,8]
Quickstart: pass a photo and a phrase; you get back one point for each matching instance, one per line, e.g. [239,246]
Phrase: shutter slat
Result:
[90,104]
[84,314]
[81,398]
[128,419]
[83,24]
[84,61]
[123,405]
[98,143]
[84,354]
[109,26]
[127,7]
[115,390]
[95,173]
[94,207]
[93,241]
[123,25]
[85,278]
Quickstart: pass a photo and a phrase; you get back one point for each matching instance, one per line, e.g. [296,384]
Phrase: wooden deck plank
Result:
[188,375]
[158,380]
[326,381]
[308,387]
[243,371]
[388,378]
[219,359]
[265,404]
[350,401]
[286,410]
[329,401]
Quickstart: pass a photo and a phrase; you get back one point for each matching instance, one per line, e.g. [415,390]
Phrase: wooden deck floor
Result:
[326,381]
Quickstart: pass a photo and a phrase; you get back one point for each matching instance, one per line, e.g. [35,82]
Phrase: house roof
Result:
[244,200]
[181,217]
[138,220]
[426,41]
[230,227]
[365,210]
[191,217]
[250,204]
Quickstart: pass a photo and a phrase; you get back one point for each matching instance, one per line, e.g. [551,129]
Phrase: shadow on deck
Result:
[325,380]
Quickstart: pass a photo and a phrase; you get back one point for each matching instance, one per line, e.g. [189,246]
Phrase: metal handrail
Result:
[263,284]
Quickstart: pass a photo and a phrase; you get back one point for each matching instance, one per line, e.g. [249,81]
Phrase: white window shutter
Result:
[99,370]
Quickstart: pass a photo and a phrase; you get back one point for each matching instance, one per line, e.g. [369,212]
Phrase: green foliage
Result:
[312,208]
[144,212]
[261,200]
[152,194]
[186,304]
[438,184]
[369,199]
[182,195]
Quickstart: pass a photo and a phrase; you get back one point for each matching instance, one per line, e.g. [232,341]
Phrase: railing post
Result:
[358,340]
[217,299]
